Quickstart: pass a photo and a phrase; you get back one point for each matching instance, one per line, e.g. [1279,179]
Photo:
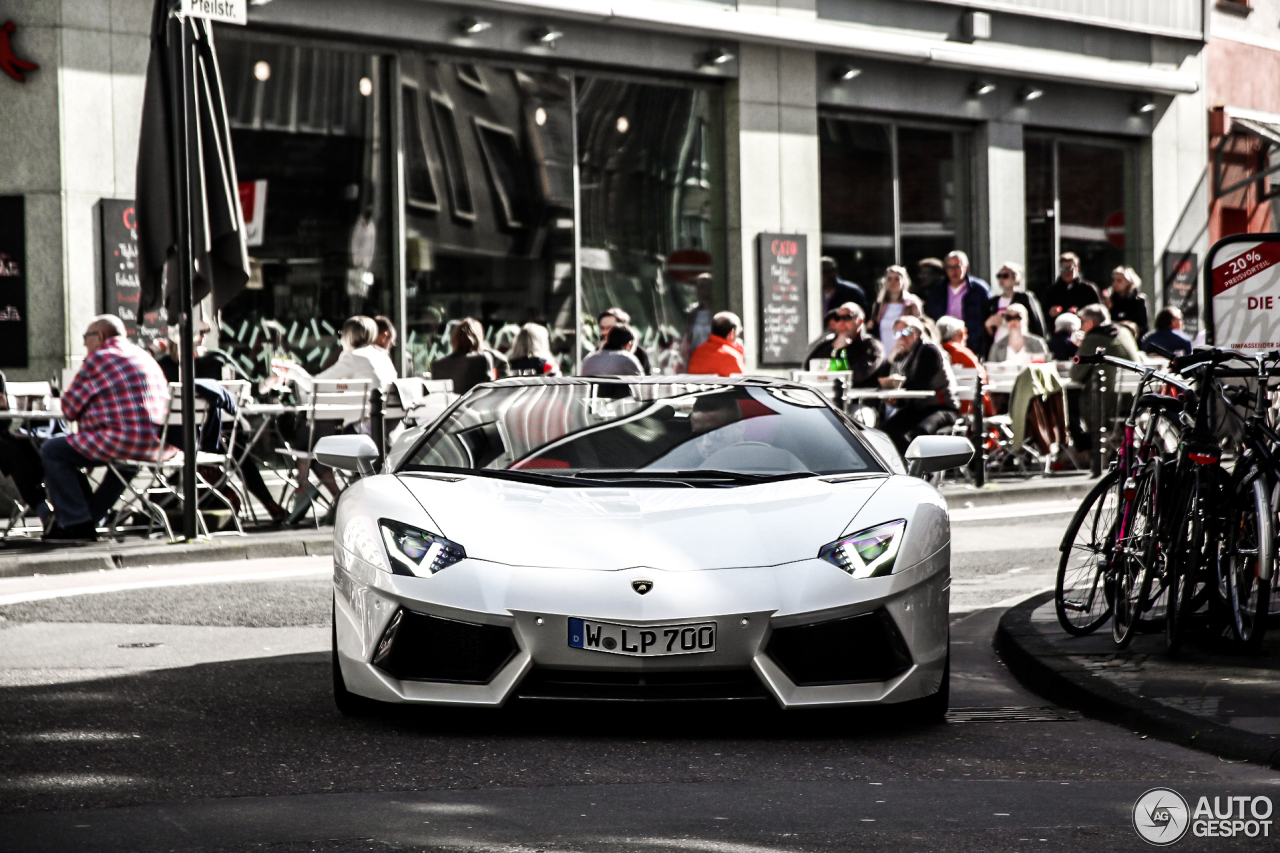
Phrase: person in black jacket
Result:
[1125,299]
[919,364]
[864,353]
[1013,290]
[1070,292]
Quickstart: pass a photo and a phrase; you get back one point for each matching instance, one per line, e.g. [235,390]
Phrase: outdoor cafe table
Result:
[53,413]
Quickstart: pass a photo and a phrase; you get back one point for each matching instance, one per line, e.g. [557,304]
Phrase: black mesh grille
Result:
[688,685]
[429,648]
[867,647]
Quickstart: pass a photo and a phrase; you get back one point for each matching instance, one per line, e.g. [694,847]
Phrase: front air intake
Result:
[863,648]
[421,647]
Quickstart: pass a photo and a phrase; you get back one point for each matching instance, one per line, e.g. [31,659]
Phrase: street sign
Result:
[226,11]
[1242,292]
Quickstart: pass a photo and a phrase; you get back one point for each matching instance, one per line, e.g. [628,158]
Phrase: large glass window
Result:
[652,212]
[1078,200]
[309,129]
[891,193]
[488,159]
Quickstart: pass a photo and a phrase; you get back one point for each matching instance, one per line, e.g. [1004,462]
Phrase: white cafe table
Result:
[53,413]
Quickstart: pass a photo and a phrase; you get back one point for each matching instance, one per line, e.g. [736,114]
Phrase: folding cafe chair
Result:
[330,404]
[161,484]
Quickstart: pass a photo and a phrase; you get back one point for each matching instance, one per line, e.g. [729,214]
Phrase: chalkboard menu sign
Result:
[120,288]
[13,282]
[784,298]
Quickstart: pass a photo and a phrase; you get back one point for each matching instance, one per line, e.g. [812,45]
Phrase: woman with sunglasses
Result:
[1013,291]
[1018,346]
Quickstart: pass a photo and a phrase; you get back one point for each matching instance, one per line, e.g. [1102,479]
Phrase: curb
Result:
[961,497]
[307,545]
[1039,666]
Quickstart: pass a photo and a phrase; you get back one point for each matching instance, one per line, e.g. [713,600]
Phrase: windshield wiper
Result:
[535,477]
[703,474]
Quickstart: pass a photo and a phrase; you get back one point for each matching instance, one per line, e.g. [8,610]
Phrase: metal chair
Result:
[328,401]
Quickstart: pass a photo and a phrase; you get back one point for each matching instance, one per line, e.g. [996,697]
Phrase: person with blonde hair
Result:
[1018,346]
[1013,291]
[1125,300]
[530,352]
[895,300]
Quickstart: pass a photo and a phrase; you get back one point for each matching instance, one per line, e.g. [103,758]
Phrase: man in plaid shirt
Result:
[119,398]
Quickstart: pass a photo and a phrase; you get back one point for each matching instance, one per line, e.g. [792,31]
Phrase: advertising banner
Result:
[13,281]
[1242,292]
[121,291]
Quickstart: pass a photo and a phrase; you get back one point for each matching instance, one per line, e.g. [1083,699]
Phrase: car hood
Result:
[675,529]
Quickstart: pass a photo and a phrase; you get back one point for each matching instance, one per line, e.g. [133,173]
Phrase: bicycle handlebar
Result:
[1102,358]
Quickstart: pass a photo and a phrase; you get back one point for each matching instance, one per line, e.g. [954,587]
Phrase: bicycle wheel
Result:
[1135,552]
[1246,561]
[1081,596]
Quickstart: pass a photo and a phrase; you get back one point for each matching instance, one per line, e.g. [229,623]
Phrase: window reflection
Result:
[864,163]
[303,123]
[652,212]
[497,143]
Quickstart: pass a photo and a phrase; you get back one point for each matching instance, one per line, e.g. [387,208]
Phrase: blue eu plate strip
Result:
[576,633]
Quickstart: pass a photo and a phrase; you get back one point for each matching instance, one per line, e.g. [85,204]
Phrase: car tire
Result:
[349,704]
[932,710]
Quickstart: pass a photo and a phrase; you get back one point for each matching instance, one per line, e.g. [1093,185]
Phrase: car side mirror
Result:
[355,453]
[930,453]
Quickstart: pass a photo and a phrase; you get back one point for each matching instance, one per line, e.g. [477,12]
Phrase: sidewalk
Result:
[1003,492]
[1225,704]
[30,557]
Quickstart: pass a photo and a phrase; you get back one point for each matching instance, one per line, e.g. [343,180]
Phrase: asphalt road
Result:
[200,717]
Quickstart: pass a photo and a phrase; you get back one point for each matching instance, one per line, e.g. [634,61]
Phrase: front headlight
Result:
[868,553]
[416,552]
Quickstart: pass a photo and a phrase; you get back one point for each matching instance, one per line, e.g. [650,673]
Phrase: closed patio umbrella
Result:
[190,227]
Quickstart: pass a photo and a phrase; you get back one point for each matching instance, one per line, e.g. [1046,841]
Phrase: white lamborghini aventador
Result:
[665,538]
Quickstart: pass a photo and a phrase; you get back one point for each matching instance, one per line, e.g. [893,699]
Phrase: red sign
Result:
[1245,266]
[10,64]
[687,264]
[1114,229]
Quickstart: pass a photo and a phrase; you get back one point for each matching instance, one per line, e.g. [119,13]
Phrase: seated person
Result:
[531,351]
[919,364]
[359,359]
[863,352]
[719,354]
[1168,334]
[470,362]
[20,461]
[1019,346]
[209,363]
[617,358]
[1066,336]
[954,335]
[120,398]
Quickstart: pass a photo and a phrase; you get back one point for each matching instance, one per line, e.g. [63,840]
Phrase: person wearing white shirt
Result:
[360,359]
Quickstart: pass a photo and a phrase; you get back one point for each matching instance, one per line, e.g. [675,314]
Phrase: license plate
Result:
[643,640]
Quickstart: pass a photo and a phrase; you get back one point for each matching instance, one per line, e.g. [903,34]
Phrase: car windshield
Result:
[574,430]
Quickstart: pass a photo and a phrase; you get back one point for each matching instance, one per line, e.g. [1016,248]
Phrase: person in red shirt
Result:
[955,335]
[720,354]
[119,399]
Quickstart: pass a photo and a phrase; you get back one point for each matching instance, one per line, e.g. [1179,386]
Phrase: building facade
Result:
[542,160]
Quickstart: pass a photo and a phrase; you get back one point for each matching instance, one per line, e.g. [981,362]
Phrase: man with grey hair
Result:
[961,295]
[119,398]
[1063,342]
[1101,334]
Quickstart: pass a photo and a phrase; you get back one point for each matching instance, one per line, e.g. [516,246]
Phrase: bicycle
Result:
[1109,547]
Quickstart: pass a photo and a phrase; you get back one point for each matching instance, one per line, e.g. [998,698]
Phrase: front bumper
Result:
[889,634]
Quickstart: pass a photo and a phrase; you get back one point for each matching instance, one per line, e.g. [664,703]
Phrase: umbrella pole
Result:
[182,171]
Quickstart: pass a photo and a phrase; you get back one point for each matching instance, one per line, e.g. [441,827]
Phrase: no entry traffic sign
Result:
[1242,292]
